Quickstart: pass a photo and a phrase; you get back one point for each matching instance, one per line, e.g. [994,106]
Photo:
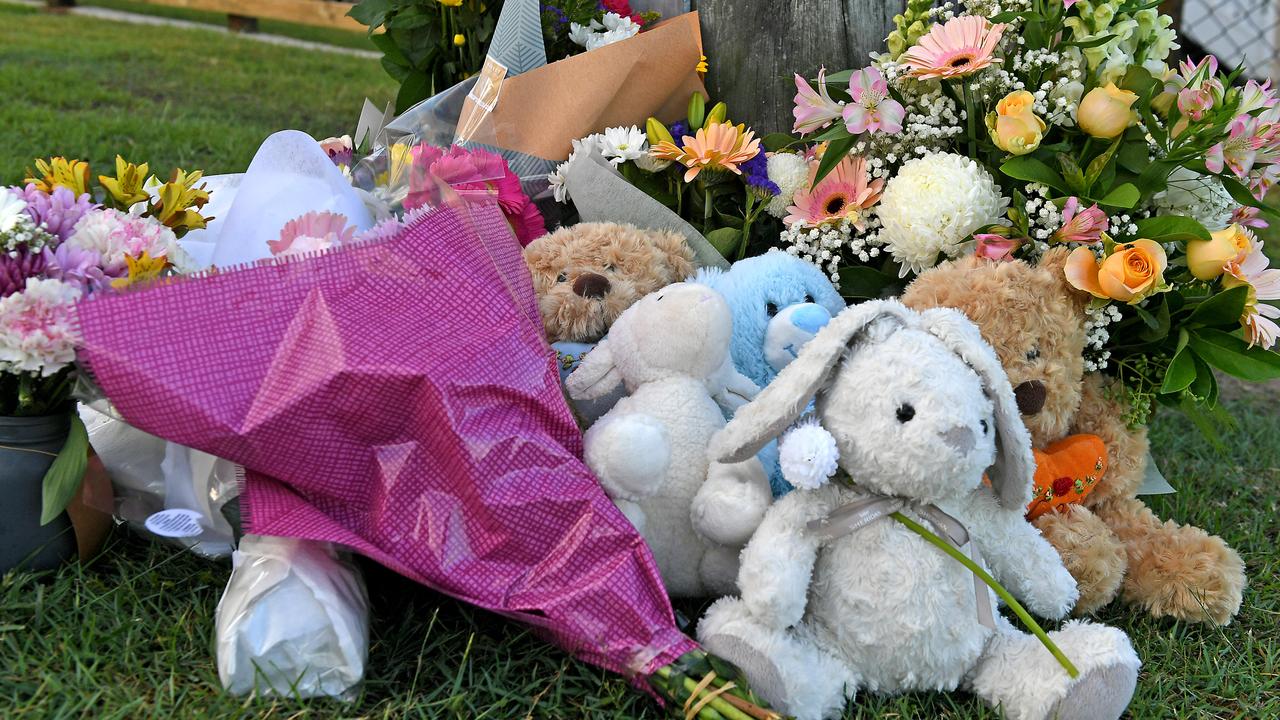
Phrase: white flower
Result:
[649,163]
[597,35]
[1069,92]
[932,205]
[789,172]
[1200,197]
[556,180]
[12,209]
[37,334]
[620,144]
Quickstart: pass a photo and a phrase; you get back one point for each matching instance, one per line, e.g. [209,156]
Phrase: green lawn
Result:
[130,636]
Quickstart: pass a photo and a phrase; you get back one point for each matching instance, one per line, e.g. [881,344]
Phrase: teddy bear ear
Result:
[679,254]
[1053,265]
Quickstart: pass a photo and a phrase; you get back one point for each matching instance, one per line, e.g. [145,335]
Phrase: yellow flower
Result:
[59,171]
[1106,111]
[141,270]
[178,197]
[718,147]
[451,3]
[657,132]
[126,187]
[1014,126]
[459,40]
[1129,274]
[1207,259]
[702,64]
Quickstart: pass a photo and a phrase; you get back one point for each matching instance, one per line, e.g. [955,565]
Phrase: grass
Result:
[329,36]
[130,635]
[175,98]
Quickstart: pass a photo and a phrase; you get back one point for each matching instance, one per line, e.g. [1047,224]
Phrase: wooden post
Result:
[754,47]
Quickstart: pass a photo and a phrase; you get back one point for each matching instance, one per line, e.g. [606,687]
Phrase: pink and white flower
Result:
[37,332]
[995,247]
[312,232]
[1258,319]
[814,109]
[1081,226]
[1250,140]
[114,235]
[1256,97]
[872,110]
[960,47]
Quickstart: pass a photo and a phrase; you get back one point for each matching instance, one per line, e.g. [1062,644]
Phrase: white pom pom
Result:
[807,455]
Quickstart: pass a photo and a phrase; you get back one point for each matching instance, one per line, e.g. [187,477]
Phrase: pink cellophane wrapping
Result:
[398,398]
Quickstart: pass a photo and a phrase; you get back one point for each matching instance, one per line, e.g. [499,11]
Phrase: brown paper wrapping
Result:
[540,112]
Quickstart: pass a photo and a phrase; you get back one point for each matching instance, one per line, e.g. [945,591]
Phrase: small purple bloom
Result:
[17,268]
[80,267]
[561,18]
[679,129]
[58,212]
[756,175]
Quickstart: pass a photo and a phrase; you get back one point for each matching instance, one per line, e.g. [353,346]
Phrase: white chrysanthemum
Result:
[808,456]
[789,172]
[1201,197]
[37,334]
[596,35]
[12,209]
[932,205]
[555,179]
[620,144]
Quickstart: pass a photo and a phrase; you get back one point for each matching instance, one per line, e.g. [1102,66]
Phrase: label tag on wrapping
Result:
[176,523]
[482,98]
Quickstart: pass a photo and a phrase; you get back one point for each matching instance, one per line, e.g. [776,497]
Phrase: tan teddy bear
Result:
[585,275]
[1109,540]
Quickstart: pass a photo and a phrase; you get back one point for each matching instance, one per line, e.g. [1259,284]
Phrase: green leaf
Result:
[1030,169]
[1233,356]
[370,12]
[725,240]
[773,142]
[1160,313]
[1091,43]
[1181,373]
[1205,386]
[1100,163]
[1242,195]
[1171,228]
[832,133]
[65,474]
[414,89]
[1072,173]
[1124,196]
[390,50]
[1133,156]
[839,77]
[1222,310]
[836,152]
[862,282]
[1138,80]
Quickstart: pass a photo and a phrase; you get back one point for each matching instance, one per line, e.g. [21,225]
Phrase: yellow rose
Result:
[1206,258]
[1014,127]
[1131,273]
[1106,112]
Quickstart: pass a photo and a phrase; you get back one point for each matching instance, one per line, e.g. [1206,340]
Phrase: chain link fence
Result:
[1234,30]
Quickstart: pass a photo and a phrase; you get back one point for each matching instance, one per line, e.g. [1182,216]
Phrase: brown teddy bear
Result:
[585,275]
[1109,540]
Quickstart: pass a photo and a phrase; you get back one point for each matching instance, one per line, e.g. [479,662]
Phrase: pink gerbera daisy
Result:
[311,232]
[842,195]
[960,47]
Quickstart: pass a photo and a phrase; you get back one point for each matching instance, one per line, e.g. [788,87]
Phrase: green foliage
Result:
[63,477]
[428,46]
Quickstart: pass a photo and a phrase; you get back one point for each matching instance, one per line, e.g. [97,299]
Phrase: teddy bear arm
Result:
[1102,414]
[1019,558]
[731,502]
[777,564]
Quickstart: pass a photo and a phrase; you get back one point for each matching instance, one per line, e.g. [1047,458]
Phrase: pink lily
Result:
[872,110]
[995,247]
[1081,226]
[815,109]
[1250,140]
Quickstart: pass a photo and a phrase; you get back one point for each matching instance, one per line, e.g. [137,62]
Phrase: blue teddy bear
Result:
[779,303]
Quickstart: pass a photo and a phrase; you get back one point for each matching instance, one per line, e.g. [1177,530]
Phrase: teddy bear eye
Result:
[770,309]
[905,412]
[1033,353]
[561,278]
[808,298]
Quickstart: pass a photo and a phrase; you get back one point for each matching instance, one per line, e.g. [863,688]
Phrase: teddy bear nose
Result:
[591,285]
[1030,396]
[811,318]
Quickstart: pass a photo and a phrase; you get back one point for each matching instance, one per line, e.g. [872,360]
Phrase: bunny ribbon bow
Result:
[858,514]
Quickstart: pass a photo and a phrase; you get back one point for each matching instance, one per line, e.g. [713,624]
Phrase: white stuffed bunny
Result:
[650,450]
[837,595]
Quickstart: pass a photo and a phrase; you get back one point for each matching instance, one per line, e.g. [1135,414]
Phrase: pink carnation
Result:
[37,334]
[115,235]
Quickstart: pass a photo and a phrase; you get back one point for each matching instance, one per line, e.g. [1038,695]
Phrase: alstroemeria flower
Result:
[1248,217]
[815,109]
[1081,226]
[1195,102]
[1256,97]
[995,247]
[1250,140]
[872,110]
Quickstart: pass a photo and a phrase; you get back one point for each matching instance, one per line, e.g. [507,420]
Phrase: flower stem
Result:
[969,120]
[1009,600]
[706,208]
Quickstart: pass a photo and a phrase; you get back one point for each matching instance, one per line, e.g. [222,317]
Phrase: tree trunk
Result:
[754,47]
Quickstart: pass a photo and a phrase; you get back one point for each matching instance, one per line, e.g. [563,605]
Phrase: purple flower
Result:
[58,211]
[679,129]
[561,18]
[77,266]
[756,175]
[16,268]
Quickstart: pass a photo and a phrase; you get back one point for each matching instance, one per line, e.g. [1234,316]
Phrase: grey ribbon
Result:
[860,513]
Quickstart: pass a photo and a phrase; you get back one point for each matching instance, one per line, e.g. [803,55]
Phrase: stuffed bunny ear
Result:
[1012,474]
[784,399]
[596,376]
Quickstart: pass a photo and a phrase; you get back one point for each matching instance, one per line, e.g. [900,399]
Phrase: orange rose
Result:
[1105,112]
[1207,258]
[1014,126]
[1129,274]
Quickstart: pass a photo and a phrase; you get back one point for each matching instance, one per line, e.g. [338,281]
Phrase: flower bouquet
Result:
[1006,127]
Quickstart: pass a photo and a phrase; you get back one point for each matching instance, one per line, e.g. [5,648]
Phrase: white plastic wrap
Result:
[293,621]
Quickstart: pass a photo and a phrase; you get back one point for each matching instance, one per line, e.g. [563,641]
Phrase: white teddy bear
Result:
[650,450]
[837,594]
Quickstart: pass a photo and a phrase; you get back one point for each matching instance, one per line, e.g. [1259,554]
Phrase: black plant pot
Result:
[28,446]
